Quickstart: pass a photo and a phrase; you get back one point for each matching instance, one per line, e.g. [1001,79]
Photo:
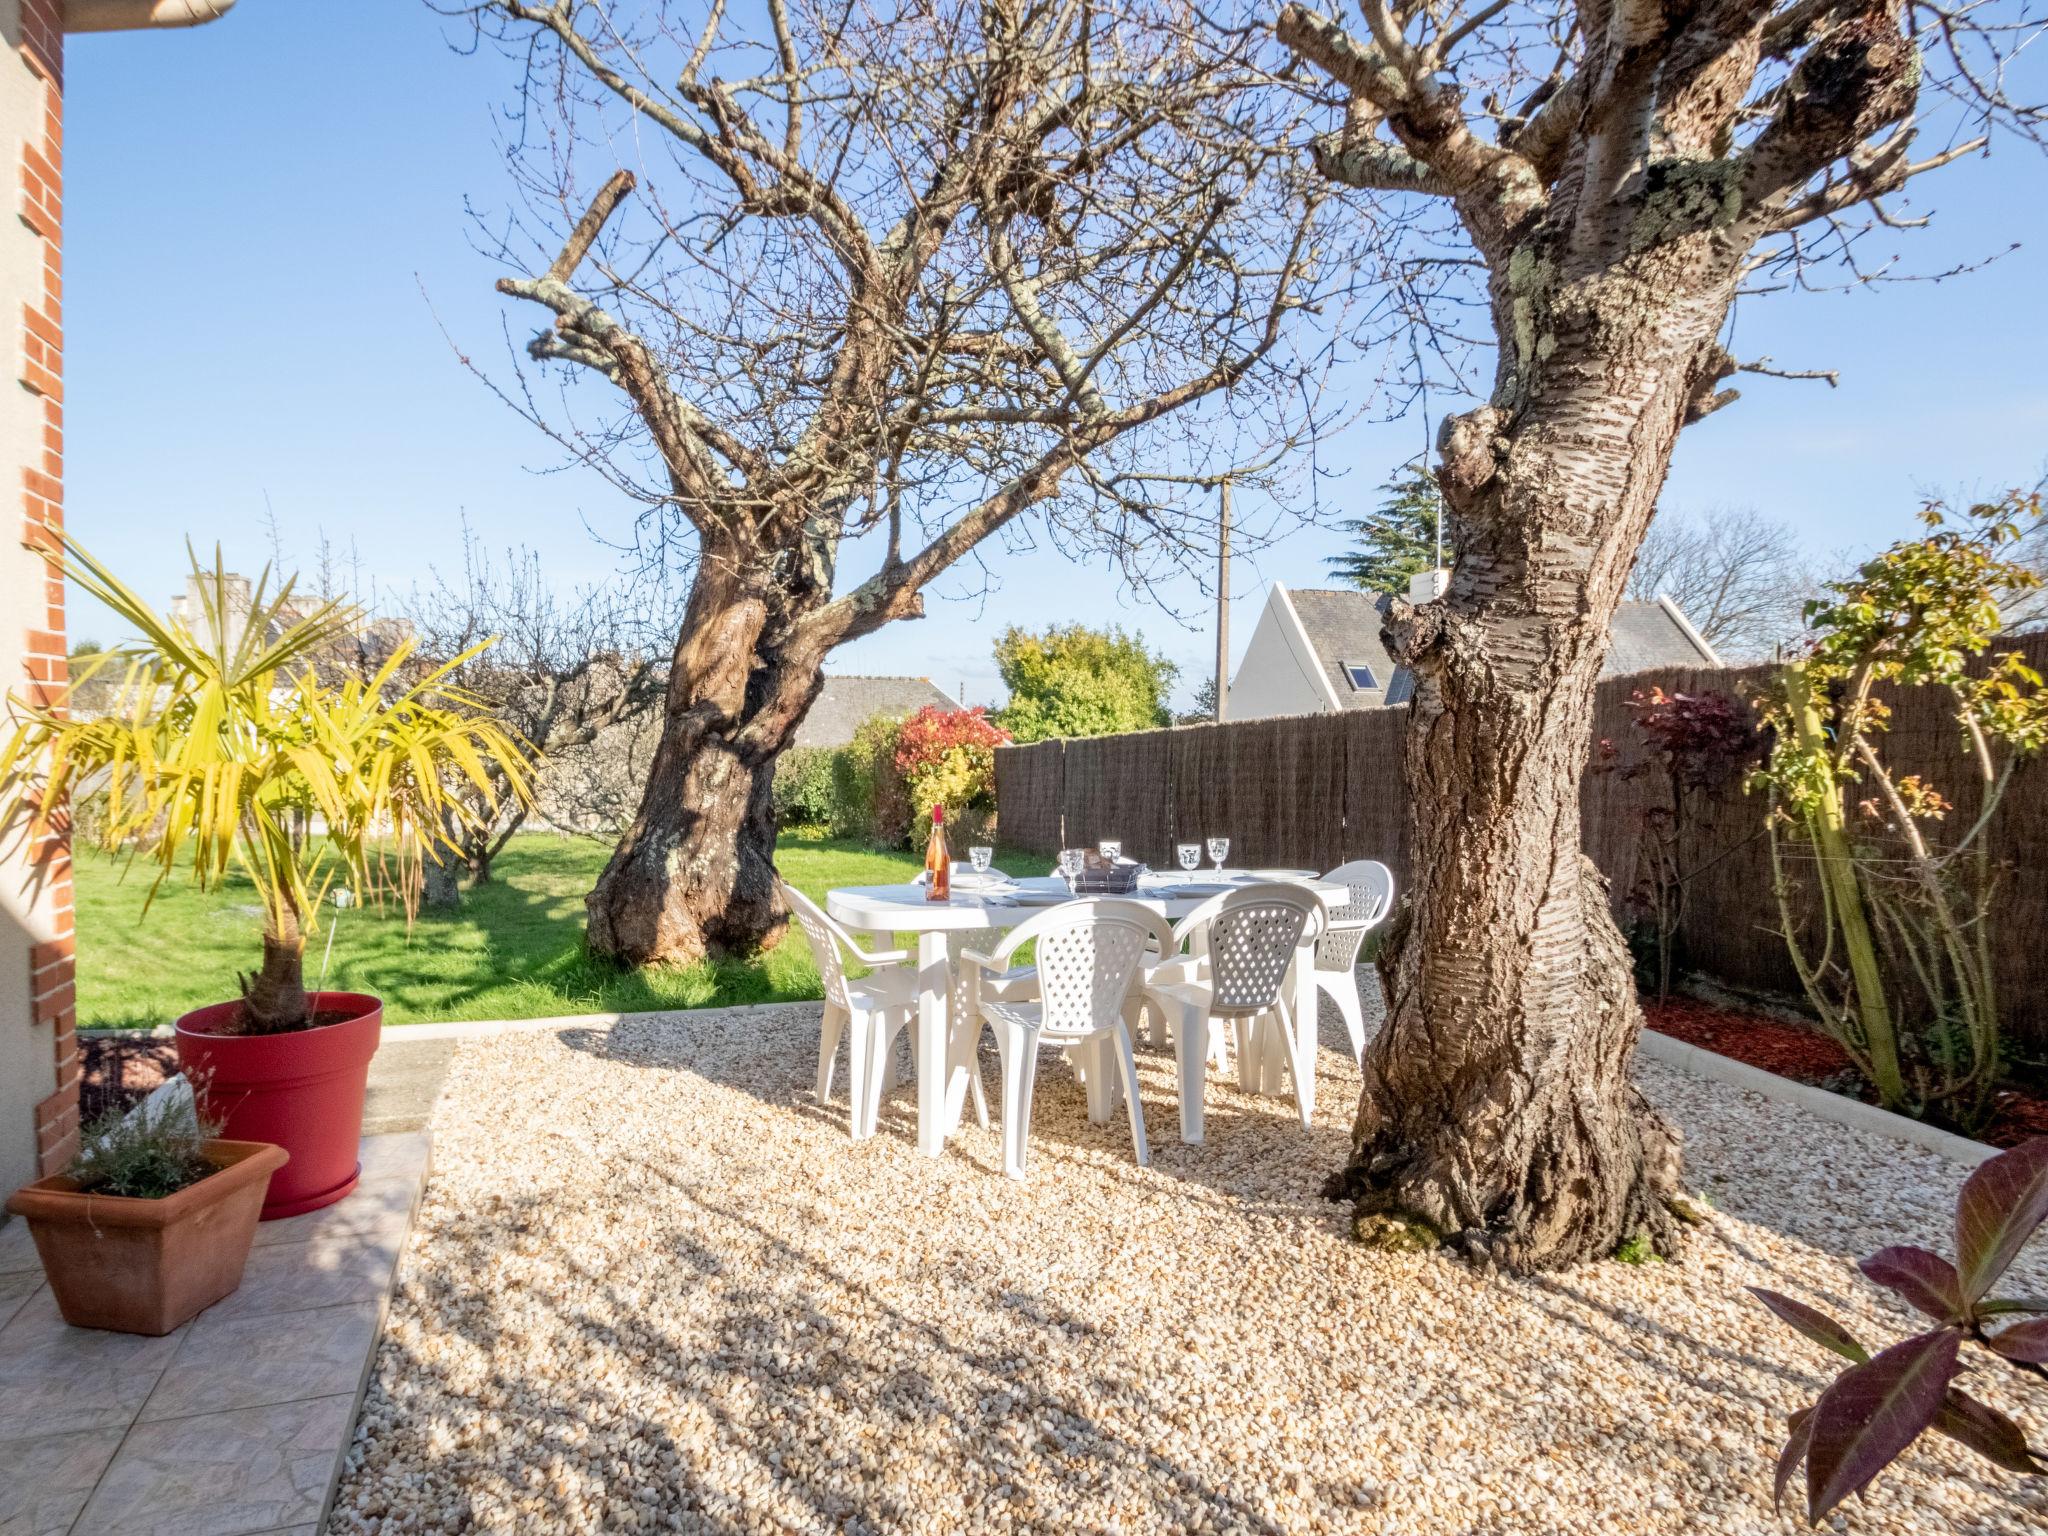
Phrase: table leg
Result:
[934,1065]
[1307,1022]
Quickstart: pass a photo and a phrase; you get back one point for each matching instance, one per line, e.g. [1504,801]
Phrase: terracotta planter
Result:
[303,1091]
[146,1266]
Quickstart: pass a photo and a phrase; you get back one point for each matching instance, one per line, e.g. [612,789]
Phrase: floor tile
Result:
[17,1248]
[253,1469]
[55,1377]
[374,1206]
[326,1272]
[45,1481]
[246,1362]
[15,1291]
[403,1152]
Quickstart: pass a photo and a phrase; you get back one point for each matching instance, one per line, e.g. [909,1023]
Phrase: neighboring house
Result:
[847,701]
[374,639]
[1317,651]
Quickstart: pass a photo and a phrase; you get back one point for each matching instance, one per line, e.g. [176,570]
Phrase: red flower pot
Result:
[302,1091]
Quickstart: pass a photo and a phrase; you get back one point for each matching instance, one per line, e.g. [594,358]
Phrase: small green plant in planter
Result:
[145,1154]
[1881,1404]
[152,1222]
[255,737]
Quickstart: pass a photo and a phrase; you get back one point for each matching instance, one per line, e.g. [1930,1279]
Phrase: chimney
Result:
[1428,586]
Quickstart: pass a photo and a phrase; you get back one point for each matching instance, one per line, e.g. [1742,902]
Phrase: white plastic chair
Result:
[1088,956]
[1371,885]
[1248,940]
[875,1008]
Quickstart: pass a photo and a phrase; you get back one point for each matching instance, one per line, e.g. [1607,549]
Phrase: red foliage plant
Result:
[1884,1402]
[1703,739]
[930,733]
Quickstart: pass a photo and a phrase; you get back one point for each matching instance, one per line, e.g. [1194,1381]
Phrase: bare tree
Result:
[1609,176]
[898,274]
[1740,575]
[564,671]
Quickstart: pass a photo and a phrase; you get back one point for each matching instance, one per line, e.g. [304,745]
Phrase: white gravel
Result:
[654,1287]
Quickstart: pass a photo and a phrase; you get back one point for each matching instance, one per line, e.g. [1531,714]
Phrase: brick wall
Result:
[41,374]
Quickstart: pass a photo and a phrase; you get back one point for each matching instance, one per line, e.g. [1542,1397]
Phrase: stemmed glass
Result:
[1218,847]
[1110,848]
[1070,864]
[1190,856]
[980,858]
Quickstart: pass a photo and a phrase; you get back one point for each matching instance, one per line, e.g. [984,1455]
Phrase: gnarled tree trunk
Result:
[1498,1108]
[695,872]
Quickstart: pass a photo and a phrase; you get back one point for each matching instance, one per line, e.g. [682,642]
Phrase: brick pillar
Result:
[41,373]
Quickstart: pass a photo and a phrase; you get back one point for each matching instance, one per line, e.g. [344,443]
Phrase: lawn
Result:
[514,951]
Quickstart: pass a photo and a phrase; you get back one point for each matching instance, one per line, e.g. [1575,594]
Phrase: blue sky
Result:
[265,240]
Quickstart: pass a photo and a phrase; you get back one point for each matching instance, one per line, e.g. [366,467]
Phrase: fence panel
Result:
[1115,787]
[1375,794]
[1030,783]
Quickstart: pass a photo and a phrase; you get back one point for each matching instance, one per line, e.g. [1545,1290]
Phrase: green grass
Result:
[514,951]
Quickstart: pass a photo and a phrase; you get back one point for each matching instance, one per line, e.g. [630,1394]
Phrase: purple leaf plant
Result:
[1882,1403]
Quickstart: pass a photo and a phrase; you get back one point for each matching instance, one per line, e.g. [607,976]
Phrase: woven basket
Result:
[1107,877]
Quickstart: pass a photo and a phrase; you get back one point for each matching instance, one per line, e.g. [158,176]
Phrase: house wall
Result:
[38,1054]
[1278,676]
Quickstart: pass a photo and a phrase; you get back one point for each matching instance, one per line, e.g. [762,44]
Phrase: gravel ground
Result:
[654,1287]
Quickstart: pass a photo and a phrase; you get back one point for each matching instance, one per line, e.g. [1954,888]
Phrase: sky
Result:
[270,278]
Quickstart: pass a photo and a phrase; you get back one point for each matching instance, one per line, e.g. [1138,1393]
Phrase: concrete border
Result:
[1853,1113]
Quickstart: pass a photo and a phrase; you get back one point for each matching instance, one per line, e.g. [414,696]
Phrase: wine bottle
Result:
[938,864]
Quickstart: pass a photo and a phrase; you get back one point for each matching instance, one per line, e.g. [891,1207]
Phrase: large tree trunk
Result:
[1498,1109]
[441,867]
[694,873]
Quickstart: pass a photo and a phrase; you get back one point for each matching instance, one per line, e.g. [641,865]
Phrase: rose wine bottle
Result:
[938,864]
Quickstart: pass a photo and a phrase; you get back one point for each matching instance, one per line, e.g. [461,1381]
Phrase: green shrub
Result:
[806,794]
[870,798]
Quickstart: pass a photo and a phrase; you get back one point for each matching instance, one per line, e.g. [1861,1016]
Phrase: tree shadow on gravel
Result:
[1237,1126]
[812,1353]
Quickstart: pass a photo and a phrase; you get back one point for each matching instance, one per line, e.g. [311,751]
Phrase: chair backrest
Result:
[1371,885]
[1250,935]
[1088,953]
[826,938]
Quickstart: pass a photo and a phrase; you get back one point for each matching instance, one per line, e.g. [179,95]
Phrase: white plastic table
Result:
[882,911]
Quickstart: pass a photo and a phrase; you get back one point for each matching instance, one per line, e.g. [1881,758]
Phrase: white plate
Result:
[1029,898]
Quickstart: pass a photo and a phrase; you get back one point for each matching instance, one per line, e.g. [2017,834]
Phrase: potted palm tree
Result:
[253,737]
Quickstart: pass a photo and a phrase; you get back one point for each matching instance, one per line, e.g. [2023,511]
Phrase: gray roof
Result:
[1344,628]
[1647,635]
[848,701]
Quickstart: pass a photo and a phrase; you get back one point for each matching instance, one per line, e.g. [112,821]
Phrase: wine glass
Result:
[1218,847]
[1190,856]
[1070,863]
[1110,848]
[980,858]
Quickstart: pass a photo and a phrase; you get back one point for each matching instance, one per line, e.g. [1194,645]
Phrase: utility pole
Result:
[1223,600]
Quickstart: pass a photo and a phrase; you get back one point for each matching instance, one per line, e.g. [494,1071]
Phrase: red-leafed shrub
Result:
[948,757]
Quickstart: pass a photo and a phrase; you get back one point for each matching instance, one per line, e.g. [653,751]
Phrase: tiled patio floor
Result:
[235,1424]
